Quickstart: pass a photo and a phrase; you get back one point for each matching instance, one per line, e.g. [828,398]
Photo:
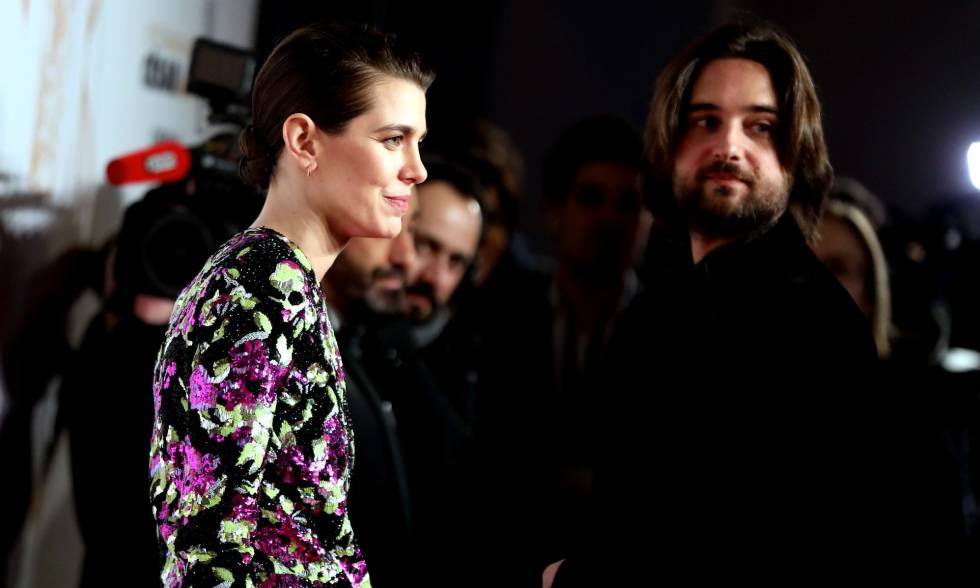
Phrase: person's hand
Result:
[549,574]
[153,310]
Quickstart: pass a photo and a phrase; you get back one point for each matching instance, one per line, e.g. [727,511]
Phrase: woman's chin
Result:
[387,229]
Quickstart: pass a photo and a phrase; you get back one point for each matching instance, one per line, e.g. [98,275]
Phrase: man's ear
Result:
[298,137]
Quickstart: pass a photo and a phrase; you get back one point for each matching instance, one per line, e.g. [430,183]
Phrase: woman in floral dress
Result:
[252,450]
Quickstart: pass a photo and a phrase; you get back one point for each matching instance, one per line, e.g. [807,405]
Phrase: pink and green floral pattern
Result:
[251,452]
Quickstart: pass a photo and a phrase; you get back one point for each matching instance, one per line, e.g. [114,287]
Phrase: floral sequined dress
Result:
[251,452]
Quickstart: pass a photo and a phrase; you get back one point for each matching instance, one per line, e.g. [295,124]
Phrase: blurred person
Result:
[447,238]
[848,245]
[39,353]
[441,367]
[592,178]
[592,181]
[544,344]
[122,339]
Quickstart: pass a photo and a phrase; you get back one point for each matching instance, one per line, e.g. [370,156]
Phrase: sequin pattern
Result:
[251,451]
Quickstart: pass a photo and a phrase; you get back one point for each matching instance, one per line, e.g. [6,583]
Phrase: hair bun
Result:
[255,167]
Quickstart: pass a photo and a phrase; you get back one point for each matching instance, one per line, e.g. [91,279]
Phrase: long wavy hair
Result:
[800,140]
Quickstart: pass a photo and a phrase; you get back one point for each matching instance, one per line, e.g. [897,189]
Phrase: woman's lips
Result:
[400,203]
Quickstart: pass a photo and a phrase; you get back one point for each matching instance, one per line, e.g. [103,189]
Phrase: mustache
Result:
[388,272]
[726,167]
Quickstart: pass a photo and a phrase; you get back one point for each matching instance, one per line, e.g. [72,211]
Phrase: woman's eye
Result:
[395,141]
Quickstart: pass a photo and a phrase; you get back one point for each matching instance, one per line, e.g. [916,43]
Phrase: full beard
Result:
[719,213]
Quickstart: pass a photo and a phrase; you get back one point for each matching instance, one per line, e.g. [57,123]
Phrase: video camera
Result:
[168,235]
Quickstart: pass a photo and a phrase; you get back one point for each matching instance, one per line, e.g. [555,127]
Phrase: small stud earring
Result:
[309,170]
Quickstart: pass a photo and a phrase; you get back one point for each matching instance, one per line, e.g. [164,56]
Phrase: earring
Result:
[309,170]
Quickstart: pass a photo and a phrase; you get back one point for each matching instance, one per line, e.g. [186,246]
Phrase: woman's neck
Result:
[285,213]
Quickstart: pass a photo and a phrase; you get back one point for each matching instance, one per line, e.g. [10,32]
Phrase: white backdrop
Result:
[73,95]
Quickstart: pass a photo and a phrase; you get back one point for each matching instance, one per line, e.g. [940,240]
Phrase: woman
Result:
[849,247]
[251,451]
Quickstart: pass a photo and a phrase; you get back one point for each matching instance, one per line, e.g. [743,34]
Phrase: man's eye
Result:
[708,122]
[590,196]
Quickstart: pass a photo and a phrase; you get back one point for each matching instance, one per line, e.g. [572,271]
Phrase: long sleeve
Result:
[251,450]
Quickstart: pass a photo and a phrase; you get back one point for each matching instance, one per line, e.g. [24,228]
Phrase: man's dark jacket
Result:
[739,423]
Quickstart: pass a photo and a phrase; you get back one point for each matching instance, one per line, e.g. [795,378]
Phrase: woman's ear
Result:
[298,134]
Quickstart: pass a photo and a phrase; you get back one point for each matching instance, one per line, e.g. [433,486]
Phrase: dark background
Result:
[900,81]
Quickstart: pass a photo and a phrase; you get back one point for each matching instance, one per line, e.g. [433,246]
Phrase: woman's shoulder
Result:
[259,248]
[255,259]
[256,272]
